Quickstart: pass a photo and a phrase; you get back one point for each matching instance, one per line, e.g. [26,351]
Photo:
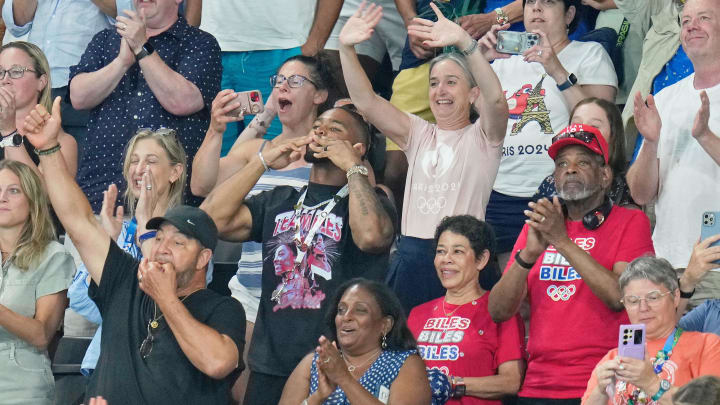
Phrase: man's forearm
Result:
[371,226]
[108,7]
[23,11]
[193,12]
[214,354]
[88,90]
[407,10]
[643,176]
[326,15]
[603,282]
[507,295]
[174,92]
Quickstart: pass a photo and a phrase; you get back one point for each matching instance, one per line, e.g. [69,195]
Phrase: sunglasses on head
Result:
[585,136]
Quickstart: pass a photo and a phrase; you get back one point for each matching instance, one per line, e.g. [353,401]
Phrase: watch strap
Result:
[522,263]
[684,294]
[146,50]
[664,387]
[571,81]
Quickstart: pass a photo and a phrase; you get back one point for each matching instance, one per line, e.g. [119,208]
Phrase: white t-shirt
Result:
[252,25]
[449,173]
[538,111]
[689,182]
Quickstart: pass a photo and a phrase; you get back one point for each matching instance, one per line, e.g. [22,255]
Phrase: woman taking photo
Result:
[25,82]
[491,365]
[154,170]
[36,272]
[369,356]
[452,164]
[541,86]
[605,116]
[673,357]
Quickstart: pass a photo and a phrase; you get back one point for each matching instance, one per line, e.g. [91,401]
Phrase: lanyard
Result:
[663,355]
[304,244]
[129,241]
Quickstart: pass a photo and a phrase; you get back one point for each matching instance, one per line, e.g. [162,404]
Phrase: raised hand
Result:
[488,43]
[700,127]
[544,54]
[111,218]
[131,27]
[41,128]
[360,26]
[7,111]
[148,198]
[125,55]
[441,33]
[702,260]
[224,103]
[331,363]
[278,156]
[547,217]
[647,118]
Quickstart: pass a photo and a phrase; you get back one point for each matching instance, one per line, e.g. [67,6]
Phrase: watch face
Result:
[665,385]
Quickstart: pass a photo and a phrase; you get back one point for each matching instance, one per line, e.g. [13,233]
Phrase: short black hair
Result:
[399,337]
[481,237]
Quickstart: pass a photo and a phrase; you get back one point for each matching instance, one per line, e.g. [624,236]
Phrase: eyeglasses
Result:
[587,137]
[147,343]
[15,72]
[294,81]
[546,3]
[652,299]
[160,131]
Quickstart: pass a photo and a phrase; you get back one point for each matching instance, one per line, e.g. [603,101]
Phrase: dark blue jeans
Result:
[412,273]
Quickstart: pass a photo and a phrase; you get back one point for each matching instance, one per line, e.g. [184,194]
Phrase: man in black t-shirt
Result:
[166,339]
[313,240]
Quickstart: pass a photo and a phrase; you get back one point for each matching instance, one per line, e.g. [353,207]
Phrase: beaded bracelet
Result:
[48,151]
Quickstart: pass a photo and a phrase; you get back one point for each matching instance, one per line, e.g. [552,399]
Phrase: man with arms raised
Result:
[166,338]
[313,240]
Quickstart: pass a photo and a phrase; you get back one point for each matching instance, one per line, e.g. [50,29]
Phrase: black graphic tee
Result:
[288,328]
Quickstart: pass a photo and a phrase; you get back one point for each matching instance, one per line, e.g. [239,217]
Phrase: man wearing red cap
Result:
[567,261]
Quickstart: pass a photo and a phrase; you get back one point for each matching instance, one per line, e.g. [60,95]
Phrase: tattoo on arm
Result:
[364,193]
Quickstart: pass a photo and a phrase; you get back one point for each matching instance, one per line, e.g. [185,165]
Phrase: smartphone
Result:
[516,43]
[710,226]
[251,102]
[631,341]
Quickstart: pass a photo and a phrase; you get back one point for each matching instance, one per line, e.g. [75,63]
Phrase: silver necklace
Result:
[351,367]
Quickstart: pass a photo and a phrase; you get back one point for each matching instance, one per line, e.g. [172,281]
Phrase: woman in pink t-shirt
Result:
[452,164]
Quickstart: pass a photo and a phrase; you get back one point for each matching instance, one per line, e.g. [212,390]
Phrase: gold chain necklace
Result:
[447,315]
[154,323]
[351,367]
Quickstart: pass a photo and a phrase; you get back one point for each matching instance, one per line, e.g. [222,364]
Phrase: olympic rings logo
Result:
[563,292]
[429,205]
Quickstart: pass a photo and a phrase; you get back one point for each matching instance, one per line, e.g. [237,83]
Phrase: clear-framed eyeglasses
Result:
[294,81]
[652,299]
[15,72]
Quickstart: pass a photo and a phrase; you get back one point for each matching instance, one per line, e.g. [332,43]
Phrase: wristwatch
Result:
[664,386]
[571,81]
[357,169]
[458,387]
[684,294]
[146,50]
[13,139]
[502,18]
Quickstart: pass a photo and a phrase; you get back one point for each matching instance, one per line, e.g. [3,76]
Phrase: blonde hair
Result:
[167,139]
[39,64]
[38,230]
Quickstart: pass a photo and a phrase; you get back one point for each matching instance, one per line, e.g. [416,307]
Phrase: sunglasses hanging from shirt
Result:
[13,139]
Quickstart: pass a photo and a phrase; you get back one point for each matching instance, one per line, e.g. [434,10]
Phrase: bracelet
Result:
[48,151]
[522,263]
[262,160]
[684,294]
[147,235]
[470,49]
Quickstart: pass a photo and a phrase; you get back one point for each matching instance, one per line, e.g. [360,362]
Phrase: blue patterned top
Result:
[376,380]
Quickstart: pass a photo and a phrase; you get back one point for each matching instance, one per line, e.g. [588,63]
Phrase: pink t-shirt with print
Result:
[449,173]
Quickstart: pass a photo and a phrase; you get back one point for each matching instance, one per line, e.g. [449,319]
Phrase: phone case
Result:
[710,226]
[631,341]
[515,43]
[251,103]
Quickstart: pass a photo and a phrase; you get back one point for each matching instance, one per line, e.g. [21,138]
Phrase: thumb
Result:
[56,108]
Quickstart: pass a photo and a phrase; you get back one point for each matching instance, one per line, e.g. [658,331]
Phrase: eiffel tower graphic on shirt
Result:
[535,110]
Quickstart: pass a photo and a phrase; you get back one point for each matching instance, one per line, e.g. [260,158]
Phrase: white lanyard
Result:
[303,245]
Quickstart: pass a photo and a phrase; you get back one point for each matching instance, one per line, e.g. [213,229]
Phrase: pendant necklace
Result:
[154,322]
[351,367]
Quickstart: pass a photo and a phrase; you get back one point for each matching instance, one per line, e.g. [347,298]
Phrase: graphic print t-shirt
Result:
[538,111]
[288,328]
[570,327]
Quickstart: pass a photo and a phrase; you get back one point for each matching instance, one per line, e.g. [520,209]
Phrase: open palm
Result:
[360,26]
[437,34]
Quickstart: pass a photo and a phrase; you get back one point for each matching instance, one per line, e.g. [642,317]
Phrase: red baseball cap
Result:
[583,135]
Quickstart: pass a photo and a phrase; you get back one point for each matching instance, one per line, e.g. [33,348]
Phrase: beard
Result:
[184,277]
[310,157]
[576,193]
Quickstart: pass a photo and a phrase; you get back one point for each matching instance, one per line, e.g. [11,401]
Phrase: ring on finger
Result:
[539,53]
[542,219]
[325,149]
[326,361]
[140,278]
[148,187]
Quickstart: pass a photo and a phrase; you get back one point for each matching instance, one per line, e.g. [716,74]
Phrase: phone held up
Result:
[251,102]
[631,341]
[710,227]
[516,43]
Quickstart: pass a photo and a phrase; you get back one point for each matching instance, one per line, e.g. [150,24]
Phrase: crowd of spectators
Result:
[486,231]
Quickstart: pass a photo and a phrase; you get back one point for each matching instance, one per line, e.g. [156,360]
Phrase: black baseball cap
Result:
[190,221]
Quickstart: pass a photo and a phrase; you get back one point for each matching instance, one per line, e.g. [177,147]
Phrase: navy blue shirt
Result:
[186,50]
